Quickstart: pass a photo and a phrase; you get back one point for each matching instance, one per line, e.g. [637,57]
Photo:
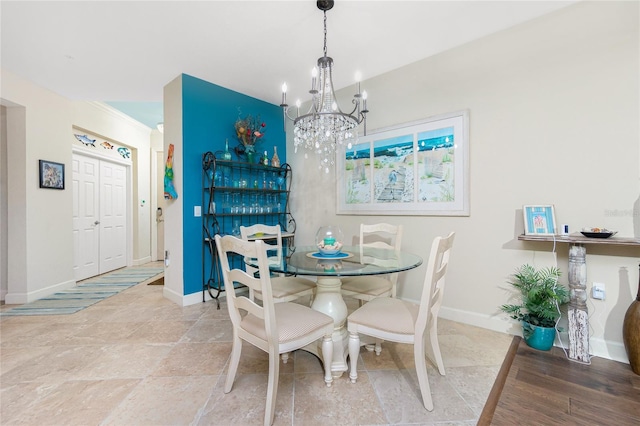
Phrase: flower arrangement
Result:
[249,130]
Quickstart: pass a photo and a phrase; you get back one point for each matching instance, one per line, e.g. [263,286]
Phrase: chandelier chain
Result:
[325,33]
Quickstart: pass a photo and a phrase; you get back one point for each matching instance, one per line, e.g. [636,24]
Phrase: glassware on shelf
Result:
[245,205]
[268,205]
[218,178]
[280,181]
[235,203]
[226,155]
[226,202]
[275,160]
[235,231]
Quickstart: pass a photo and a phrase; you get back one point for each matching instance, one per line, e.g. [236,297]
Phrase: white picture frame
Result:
[539,219]
[419,168]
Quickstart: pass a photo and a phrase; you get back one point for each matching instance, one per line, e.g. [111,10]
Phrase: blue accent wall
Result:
[209,113]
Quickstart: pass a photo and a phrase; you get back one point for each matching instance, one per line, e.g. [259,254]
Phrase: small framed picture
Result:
[51,175]
[539,220]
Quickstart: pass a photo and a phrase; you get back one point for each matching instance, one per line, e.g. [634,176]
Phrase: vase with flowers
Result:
[249,131]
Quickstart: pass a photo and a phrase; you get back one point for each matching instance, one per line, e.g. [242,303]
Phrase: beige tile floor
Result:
[139,359]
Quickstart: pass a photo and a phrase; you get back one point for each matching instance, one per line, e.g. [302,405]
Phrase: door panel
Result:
[99,216]
[85,215]
[113,221]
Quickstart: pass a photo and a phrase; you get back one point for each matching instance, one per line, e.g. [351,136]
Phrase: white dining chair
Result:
[275,328]
[283,288]
[366,288]
[400,321]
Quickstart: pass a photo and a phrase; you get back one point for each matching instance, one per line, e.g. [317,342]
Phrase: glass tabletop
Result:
[350,262]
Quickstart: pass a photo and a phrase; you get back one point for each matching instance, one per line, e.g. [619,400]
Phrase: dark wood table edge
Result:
[496,390]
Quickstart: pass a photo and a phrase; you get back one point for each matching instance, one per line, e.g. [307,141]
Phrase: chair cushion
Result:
[287,286]
[387,314]
[371,285]
[294,321]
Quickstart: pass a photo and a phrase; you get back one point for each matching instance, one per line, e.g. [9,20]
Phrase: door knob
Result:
[97,222]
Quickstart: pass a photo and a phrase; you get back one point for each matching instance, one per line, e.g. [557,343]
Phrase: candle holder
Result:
[329,240]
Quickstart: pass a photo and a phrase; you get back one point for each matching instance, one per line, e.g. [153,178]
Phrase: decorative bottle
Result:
[275,160]
[265,159]
[227,154]
[631,332]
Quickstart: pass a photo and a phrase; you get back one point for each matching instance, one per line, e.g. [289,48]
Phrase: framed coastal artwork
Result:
[418,168]
[51,174]
[539,219]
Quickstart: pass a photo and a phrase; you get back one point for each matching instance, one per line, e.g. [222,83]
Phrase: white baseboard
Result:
[141,261]
[22,298]
[189,299]
[608,349]
[193,298]
[599,347]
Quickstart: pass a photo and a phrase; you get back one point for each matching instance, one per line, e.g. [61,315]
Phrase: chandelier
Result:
[325,125]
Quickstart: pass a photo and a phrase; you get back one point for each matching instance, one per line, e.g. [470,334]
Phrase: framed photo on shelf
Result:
[51,175]
[539,220]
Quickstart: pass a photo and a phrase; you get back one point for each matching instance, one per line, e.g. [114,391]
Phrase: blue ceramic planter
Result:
[540,338]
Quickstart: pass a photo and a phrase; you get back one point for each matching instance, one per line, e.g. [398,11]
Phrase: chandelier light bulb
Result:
[284,87]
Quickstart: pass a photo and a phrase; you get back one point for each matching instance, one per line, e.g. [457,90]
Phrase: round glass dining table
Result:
[351,261]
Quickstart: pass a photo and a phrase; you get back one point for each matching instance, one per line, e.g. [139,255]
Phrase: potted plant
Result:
[540,298]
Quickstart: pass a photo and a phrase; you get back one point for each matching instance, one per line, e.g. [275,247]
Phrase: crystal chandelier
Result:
[325,125]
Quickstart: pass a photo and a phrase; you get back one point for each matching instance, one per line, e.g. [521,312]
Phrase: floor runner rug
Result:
[86,293]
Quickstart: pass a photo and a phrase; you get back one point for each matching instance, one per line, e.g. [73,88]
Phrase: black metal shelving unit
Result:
[235,194]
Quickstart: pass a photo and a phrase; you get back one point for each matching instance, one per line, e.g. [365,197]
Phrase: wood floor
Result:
[545,388]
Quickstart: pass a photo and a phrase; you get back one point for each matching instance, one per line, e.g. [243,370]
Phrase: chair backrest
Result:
[433,288]
[227,246]
[246,232]
[381,235]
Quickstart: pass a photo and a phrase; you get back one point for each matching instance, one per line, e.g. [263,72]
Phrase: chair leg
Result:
[272,388]
[378,346]
[233,363]
[327,358]
[434,349]
[354,352]
[421,370]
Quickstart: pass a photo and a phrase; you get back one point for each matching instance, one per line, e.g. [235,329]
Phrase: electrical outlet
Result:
[597,291]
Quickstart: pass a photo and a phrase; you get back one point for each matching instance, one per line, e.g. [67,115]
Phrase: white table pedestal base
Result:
[328,300]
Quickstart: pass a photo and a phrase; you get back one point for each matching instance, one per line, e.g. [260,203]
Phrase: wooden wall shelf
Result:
[577,238]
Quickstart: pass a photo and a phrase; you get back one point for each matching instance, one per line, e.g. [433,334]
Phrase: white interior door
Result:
[113,219]
[86,217]
[99,216]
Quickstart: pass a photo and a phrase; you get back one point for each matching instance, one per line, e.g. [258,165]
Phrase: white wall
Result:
[173,217]
[39,237]
[554,107]
[3,202]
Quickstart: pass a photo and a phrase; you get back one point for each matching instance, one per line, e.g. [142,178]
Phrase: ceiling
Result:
[124,52]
